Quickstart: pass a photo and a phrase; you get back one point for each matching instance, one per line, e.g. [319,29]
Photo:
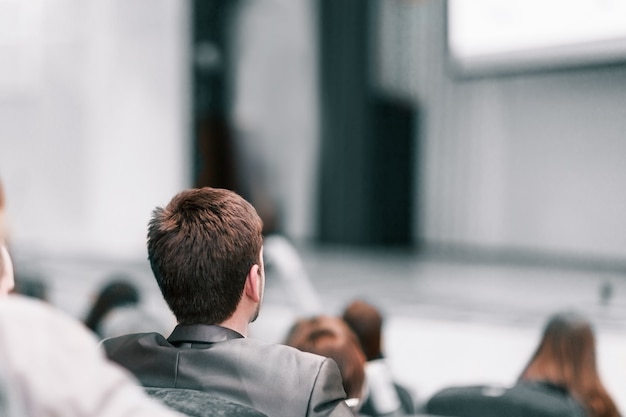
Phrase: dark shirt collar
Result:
[202,333]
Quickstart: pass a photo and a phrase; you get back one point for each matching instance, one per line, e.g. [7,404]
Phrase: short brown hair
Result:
[366,322]
[331,337]
[201,247]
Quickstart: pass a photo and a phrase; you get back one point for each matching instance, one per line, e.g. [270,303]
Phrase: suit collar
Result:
[202,333]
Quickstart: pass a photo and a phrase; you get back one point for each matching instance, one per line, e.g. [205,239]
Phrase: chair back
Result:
[522,400]
[195,403]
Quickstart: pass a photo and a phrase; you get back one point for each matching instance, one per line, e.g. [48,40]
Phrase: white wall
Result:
[93,121]
[530,162]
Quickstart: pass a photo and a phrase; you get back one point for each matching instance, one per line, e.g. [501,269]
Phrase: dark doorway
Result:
[366,187]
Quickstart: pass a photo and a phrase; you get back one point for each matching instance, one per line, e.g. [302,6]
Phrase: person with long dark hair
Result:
[560,380]
[566,358]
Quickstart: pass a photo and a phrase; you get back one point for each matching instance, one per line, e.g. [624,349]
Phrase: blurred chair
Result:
[31,286]
[119,309]
[529,399]
[201,404]
[560,380]
[117,292]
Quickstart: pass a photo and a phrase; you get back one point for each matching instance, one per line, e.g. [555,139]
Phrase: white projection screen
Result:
[491,36]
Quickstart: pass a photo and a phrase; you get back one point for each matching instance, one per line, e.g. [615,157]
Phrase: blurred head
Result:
[566,356]
[7,280]
[201,248]
[331,337]
[366,322]
[117,292]
[566,351]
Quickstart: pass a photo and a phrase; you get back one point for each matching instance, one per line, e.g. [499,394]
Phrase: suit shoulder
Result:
[316,366]
[113,343]
[286,351]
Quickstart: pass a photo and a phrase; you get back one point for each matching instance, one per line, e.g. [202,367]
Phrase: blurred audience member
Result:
[560,380]
[51,366]
[383,396]
[118,291]
[10,282]
[118,310]
[282,257]
[331,337]
[206,252]
[566,359]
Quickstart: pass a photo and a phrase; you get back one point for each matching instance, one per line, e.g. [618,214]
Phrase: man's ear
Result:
[253,284]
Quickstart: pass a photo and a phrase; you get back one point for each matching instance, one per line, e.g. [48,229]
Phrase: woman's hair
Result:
[331,337]
[566,356]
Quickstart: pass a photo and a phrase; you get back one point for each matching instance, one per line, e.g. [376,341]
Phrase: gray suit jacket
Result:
[274,379]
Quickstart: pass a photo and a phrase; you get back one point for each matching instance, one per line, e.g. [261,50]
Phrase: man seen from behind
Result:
[206,252]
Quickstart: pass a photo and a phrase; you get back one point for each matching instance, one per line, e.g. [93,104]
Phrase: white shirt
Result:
[51,365]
